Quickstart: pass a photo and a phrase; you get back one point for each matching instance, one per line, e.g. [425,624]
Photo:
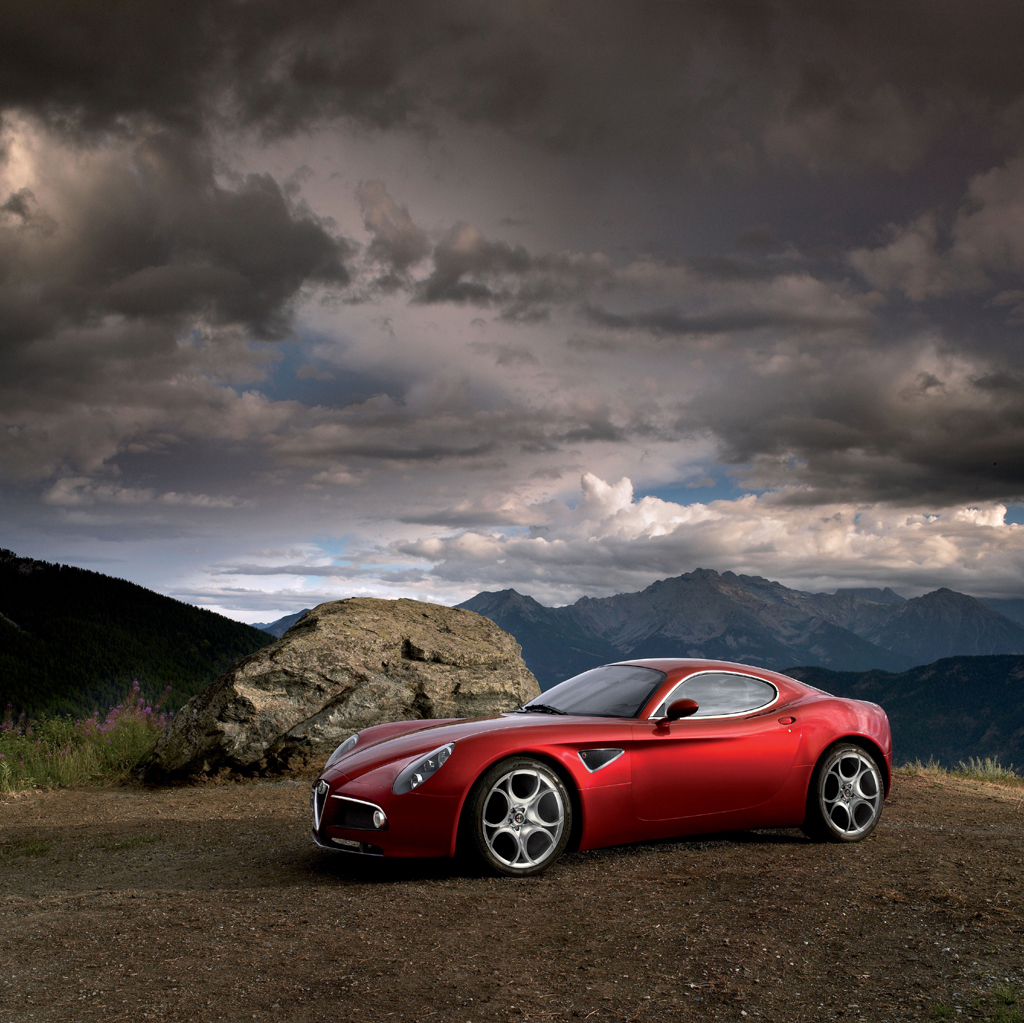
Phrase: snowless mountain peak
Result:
[733,617]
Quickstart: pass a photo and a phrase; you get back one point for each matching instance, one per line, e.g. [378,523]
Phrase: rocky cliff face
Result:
[346,665]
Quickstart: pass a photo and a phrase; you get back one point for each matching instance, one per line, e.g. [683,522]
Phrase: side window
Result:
[717,693]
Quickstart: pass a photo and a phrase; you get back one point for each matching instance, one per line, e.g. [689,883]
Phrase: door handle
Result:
[787,721]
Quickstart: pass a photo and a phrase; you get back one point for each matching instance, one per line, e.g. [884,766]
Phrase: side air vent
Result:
[594,759]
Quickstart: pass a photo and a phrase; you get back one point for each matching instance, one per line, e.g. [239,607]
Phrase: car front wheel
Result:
[521,816]
[844,802]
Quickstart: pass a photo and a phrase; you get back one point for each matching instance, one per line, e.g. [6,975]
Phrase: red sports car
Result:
[622,753]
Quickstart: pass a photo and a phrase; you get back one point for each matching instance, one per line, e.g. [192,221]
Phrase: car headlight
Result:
[420,770]
[347,746]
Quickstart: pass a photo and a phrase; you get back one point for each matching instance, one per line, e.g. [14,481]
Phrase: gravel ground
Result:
[211,903]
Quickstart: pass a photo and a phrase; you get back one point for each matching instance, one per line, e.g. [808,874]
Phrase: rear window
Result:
[611,691]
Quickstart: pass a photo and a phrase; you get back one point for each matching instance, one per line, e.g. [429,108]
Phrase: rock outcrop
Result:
[346,665]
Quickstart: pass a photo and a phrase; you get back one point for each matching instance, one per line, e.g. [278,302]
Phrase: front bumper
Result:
[415,824]
[347,845]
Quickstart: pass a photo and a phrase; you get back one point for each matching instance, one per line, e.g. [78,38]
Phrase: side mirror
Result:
[680,709]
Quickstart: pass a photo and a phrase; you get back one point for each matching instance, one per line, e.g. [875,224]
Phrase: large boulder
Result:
[346,665]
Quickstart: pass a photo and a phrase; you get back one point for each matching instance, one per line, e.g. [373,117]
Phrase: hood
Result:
[403,740]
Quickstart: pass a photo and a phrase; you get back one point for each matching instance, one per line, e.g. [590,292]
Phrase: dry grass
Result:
[975,769]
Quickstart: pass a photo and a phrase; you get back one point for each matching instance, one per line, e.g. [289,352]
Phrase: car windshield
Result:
[611,691]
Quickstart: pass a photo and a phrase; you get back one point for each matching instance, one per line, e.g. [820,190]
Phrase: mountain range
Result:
[282,625]
[753,620]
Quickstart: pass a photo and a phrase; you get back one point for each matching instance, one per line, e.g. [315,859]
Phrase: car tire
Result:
[520,817]
[844,800]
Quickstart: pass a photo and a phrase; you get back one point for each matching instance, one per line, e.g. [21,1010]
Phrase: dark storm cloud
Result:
[397,243]
[463,266]
[467,268]
[411,453]
[463,260]
[388,433]
[152,237]
[90,66]
[153,234]
[19,204]
[871,429]
[130,280]
[675,322]
[719,82]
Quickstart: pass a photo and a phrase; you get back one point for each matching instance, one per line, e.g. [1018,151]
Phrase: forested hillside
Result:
[956,708]
[72,640]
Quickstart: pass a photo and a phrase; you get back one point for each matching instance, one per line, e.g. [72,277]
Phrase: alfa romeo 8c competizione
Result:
[626,752]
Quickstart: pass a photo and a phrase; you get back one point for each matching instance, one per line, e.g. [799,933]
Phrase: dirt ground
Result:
[212,903]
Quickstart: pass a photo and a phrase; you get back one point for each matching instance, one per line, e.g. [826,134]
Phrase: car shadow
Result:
[353,867]
[356,868]
[697,843]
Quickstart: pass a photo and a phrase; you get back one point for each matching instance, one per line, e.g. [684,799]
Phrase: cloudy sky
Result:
[300,301]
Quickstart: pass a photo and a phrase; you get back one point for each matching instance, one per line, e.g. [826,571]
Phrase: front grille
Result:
[317,798]
[353,814]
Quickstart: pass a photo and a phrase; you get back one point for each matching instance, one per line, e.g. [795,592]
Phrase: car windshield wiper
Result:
[541,708]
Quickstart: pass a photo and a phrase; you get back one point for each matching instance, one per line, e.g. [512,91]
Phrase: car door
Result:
[734,753]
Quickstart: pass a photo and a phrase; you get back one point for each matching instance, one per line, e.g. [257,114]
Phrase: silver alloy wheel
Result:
[851,794]
[523,818]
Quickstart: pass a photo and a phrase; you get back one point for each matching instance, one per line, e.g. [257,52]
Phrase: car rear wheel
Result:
[844,801]
[521,816]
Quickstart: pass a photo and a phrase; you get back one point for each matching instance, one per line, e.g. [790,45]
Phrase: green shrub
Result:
[61,751]
[1007,1010]
[1004,995]
[27,847]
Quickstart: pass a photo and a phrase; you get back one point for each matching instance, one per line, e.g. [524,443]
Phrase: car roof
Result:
[694,663]
[685,665]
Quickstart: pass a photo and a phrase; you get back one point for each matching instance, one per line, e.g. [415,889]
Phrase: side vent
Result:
[594,759]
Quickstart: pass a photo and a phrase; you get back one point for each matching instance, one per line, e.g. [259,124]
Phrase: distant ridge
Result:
[750,619]
[72,640]
[886,596]
[956,708]
[282,625]
[556,645]
[1012,608]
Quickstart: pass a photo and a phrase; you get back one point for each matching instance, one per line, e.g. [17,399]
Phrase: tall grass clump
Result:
[916,767]
[62,751]
[988,769]
[977,768]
